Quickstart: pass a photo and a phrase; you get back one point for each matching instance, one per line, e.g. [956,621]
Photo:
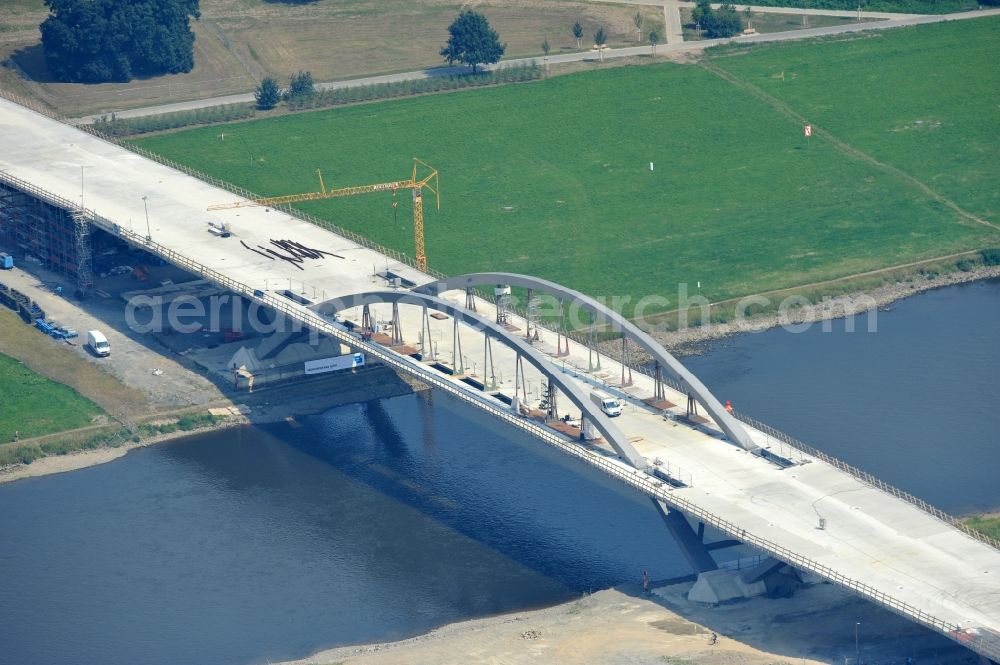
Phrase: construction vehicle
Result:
[428,178]
[98,343]
[611,406]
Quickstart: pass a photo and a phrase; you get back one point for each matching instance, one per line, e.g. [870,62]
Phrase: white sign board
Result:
[333,364]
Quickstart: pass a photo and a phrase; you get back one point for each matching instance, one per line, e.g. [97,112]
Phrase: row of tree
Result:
[601,37]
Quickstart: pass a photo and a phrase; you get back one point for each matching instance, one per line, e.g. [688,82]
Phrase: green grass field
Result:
[552,178]
[987,524]
[34,405]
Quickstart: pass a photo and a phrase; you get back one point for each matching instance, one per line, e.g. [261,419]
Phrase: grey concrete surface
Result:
[133,357]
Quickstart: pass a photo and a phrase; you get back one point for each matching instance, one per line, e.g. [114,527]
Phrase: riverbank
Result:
[626,626]
[277,404]
[81,459]
[689,340]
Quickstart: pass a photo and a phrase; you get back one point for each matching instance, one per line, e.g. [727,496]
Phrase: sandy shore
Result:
[627,627]
[686,342]
[264,406]
[81,459]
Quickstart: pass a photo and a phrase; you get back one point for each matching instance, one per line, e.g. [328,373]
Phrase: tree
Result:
[267,94]
[724,22]
[472,41]
[578,33]
[727,22]
[637,19]
[748,14]
[545,46]
[301,86]
[702,13]
[97,41]
[654,39]
[599,39]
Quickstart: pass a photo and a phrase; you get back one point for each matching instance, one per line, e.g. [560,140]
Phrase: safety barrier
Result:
[805,449]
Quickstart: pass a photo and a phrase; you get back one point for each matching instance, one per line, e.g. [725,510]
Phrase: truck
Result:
[611,406]
[98,343]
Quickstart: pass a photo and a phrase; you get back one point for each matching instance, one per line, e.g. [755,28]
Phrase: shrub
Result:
[24,454]
[56,447]
[991,257]
[965,265]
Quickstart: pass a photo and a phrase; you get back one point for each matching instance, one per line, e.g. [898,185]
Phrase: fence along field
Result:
[553,178]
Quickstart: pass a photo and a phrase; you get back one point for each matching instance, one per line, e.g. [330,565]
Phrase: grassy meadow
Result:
[553,178]
[35,405]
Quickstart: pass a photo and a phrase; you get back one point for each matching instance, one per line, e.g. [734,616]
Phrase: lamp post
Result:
[857,649]
[145,206]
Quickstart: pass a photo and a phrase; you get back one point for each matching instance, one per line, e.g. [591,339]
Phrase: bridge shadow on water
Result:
[425,508]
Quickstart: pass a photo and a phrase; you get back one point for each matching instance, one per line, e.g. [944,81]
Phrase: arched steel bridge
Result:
[881,544]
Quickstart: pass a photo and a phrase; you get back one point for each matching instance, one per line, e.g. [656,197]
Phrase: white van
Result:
[98,343]
[609,405]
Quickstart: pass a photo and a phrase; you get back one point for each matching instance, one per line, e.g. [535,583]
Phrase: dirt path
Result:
[843,146]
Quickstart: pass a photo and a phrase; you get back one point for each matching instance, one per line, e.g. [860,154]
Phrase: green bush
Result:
[56,447]
[25,454]
[991,257]
[194,421]
[965,265]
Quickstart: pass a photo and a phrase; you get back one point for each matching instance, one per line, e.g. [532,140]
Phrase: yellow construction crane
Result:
[428,175]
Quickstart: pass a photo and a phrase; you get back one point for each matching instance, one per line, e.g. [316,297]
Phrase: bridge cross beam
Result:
[426,343]
[489,370]
[520,385]
[397,330]
[593,355]
[692,406]
[553,410]
[626,364]
[456,349]
[367,327]
[659,394]
[561,333]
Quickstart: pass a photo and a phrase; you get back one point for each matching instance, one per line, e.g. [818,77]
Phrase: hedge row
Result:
[375,91]
[115,126]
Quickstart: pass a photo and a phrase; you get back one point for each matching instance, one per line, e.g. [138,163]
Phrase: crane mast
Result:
[429,178]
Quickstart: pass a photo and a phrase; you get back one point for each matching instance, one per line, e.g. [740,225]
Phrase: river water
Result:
[383,520]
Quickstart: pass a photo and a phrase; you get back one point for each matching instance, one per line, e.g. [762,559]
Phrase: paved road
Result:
[662,50]
[767,10]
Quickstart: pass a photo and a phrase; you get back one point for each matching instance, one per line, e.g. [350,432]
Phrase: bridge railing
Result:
[868,479]
[805,449]
[240,192]
[985,643]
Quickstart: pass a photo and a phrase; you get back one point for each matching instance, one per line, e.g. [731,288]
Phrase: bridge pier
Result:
[691,543]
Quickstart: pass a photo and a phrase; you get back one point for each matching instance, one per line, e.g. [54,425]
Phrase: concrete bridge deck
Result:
[881,546]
